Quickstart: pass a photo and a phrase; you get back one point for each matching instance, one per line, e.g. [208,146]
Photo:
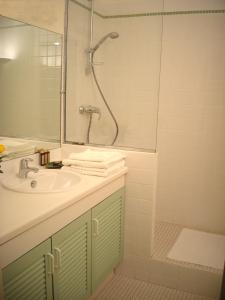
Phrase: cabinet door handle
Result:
[57,255]
[95,227]
[49,258]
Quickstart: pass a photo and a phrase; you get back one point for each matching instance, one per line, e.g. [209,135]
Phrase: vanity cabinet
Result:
[74,261]
[107,237]
[59,268]
[71,248]
[30,277]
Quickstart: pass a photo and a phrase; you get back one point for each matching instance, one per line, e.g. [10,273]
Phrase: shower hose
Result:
[105,101]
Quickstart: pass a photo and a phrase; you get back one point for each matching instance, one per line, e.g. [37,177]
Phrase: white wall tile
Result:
[140,203]
[138,190]
[114,7]
[131,81]
[142,176]
[191,141]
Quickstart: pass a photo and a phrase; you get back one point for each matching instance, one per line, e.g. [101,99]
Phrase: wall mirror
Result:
[30,80]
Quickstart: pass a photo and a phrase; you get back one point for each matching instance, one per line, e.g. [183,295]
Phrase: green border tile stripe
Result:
[167,13]
[190,12]
[152,14]
[87,8]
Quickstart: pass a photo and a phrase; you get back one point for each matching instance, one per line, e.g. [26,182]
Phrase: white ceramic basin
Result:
[45,181]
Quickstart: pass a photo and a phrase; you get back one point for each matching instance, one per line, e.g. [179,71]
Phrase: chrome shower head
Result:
[112,35]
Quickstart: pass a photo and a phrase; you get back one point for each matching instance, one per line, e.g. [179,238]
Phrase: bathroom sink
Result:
[45,181]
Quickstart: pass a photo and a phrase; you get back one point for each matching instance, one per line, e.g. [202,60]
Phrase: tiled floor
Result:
[123,288]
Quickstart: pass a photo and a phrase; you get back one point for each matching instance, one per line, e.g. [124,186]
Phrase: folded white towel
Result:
[100,170]
[96,171]
[96,156]
[93,164]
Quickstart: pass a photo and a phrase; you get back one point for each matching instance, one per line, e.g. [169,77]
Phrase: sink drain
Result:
[33,184]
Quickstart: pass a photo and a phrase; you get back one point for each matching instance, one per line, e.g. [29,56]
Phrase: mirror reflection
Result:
[30,77]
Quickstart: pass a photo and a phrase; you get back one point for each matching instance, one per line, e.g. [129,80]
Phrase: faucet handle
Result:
[99,115]
[24,162]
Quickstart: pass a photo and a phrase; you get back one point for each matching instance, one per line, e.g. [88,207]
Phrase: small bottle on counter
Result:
[44,157]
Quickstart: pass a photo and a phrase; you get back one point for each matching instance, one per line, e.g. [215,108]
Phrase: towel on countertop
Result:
[96,171]
[96,156]
[93,162]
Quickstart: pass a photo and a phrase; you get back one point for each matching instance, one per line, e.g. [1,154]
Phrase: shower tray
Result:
[166,235]
[191,277]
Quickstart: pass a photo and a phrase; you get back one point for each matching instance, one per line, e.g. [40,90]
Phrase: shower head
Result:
[112,35]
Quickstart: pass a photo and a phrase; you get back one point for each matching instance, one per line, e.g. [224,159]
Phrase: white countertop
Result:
[21,211]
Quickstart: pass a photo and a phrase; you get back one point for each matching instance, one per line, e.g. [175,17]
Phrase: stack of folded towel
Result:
[93,162]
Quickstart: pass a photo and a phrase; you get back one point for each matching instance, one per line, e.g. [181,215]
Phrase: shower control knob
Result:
[81,109]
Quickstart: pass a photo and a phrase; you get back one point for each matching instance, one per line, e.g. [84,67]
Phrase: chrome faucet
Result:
[24,169]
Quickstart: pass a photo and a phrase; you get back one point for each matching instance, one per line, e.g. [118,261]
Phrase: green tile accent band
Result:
[166,13]
[87,8]
[153,14]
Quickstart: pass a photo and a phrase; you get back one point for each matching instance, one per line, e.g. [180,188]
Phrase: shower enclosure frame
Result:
[64,93]
[91,52]
[63,76]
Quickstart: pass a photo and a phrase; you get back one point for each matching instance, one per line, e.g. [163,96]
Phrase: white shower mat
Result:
[200,248]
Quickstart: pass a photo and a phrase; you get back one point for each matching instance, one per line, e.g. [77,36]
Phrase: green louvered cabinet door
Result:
[107,236]
[71,248]
[30,276]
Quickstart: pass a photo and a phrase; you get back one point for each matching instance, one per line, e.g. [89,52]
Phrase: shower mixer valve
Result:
[89,109]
